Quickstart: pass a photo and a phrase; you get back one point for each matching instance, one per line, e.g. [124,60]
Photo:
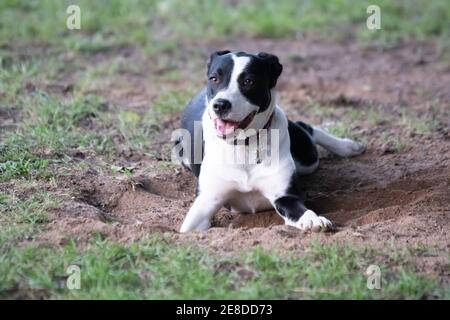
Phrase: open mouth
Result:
[226,127]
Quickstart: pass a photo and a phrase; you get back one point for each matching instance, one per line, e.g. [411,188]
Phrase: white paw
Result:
[350,148]
[187,226]
[311,221]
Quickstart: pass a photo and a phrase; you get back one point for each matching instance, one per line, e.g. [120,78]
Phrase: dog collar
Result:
[247,139]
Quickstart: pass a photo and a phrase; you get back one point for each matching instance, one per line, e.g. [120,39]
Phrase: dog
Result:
[233,115]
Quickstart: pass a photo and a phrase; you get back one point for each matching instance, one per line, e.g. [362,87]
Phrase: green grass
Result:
[157,269]
[159,25]
[51,127]
[13,75]
[394,142]
[418,124]
[346,118]
[24,213]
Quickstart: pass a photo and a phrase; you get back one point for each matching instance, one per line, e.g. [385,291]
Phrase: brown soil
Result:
[385,198]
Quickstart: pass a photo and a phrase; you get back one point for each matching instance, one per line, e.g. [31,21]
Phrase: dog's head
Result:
[239,90]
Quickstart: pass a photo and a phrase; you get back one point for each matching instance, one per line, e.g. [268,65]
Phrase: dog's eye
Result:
[213,79]
[248,82]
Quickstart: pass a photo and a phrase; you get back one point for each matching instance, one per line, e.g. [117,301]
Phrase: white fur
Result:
[310,221]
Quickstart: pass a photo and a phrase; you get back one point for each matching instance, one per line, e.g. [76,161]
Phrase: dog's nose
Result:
[221,107]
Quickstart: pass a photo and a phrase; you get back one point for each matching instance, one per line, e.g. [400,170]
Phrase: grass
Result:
[159,25]
[24,213]
[418,125]
[51,128]
[156,269]
[394,142]
[346,119]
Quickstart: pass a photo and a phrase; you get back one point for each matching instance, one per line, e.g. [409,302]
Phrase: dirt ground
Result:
[385,198]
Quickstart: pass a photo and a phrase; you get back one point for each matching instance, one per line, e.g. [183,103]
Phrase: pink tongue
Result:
[225,127]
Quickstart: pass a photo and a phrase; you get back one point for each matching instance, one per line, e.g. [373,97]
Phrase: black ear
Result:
[274,66]
[214,55]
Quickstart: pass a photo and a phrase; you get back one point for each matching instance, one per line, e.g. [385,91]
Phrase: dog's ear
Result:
[215,55]
[274,66]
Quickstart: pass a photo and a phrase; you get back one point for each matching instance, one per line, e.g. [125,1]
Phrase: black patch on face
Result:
[220,67]
[259,77]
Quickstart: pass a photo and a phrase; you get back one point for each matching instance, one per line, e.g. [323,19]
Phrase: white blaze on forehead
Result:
[232,92]
[239,65]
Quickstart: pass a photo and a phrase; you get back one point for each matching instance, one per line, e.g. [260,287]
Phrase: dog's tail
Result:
[340,146]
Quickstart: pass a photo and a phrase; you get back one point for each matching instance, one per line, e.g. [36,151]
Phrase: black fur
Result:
[220,66]
[306,127]
[303,149]
[193,113]
[263,70]
[291,205]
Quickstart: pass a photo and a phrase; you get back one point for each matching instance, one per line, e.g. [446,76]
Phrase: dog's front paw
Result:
[188,226]
[350,148]
[310,221]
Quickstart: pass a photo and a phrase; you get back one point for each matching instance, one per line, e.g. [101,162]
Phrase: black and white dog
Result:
[233,115]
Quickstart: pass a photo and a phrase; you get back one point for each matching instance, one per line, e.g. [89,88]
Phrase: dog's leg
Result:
[288,202]
[205,206]
[339,146]
[295,214]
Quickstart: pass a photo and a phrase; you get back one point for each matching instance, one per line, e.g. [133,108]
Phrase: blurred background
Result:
[148,57]
[162,25]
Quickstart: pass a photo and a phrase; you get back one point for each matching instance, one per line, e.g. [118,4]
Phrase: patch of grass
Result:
[157,269]
[23,166]
[394,142]
[339,130]
[170,103]
[24,216]
[406,20]
[320,109]
[160,25]
[13,75]
[418,125]
[50,127]
[136,130]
